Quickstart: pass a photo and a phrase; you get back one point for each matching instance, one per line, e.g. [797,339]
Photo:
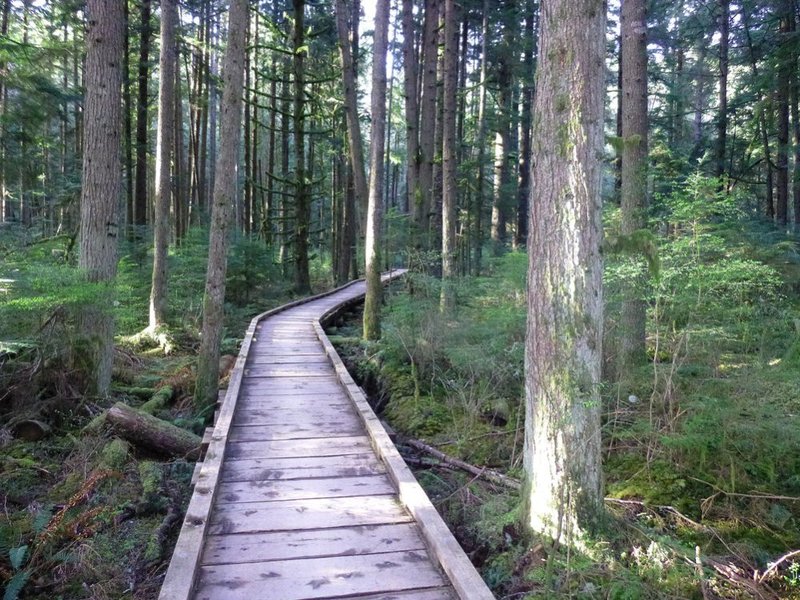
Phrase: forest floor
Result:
[700,443]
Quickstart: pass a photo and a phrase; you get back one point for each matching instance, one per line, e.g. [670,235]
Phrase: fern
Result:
[15,585]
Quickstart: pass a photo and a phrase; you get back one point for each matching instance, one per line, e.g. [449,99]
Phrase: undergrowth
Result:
[701,440]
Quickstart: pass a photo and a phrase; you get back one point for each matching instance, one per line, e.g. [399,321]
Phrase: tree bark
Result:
[564,494]
[634,169]
[102,179]
[784,74]
[302,200]
[372,301]
[410,76]
[421,209]
[354,139]
[524,188]
[481,143]
[152,433]
[140,219]
[224,194]
[164,146]
[449,166]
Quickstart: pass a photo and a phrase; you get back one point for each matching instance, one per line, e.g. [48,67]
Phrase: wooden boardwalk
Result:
[302,494]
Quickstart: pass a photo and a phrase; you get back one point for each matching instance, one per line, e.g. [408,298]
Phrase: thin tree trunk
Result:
[795,90]
[524,189]
[181,168]
[372,301]
[164,145]
[302,200]
[784,74]
[285,204]
[481,143]
[271,147]
[127,110]
[722,117]
[140,219]
[421,210]
[564,497]
[224,194]
[6,212]
[410,75]
[634,169]
[354,138]
[762,122]
[101,191]
[449,166]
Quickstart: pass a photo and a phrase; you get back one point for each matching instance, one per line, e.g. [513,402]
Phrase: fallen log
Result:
[489,474]
[153,433]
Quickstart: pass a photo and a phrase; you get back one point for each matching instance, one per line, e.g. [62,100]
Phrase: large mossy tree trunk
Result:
[222,208]
[101,189]
[372,301]
[564,497]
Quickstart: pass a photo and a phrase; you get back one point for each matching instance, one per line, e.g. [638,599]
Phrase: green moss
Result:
[115,454]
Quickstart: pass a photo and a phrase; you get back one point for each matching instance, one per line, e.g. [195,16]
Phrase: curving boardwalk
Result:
[302,494]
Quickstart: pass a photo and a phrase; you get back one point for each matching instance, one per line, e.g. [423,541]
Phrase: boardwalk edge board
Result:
[184,566]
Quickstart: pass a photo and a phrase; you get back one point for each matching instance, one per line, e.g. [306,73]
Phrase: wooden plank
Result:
[281,359]
[328,577]
[441,593]
[290,370]
[314,513]
[333,396]
[357,444]
[280,412]
[282,545]
[341,427]
[301,489]
[265,469]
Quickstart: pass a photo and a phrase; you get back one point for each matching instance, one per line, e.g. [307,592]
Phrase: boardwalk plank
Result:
[290,370]
[265,469]
[294,416]
[306,447]
[331,577]
[282,545]
[318,428]
[314,513]
[301,489]
[442,593]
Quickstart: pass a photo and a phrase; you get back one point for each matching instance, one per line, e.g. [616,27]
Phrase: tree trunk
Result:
[102,179]
[410,75]
[564,496]
[130,207]
[481,143]
[795,87]
[784,74]
[164,145]
[449,166]
[140,219]
[181,196]
[762,121]
[302,193]
[524,189]
[224,195]
[354,139]
[722,117]
[634,169]
[152,433]
[5,206]
[372,301]
[421,210]
[502,144]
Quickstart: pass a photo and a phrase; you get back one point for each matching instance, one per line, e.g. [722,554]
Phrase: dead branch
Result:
[489,474]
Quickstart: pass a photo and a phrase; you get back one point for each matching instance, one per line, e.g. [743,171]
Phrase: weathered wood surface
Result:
[292,501]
